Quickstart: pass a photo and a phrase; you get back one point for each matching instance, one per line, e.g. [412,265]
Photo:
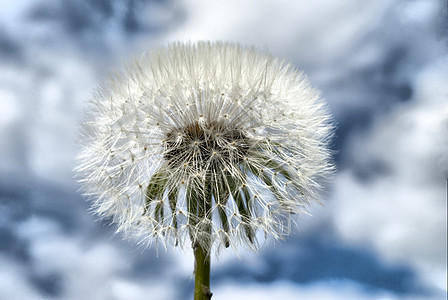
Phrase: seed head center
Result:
[199,146]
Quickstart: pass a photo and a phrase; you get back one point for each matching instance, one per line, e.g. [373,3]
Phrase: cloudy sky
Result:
[382,66]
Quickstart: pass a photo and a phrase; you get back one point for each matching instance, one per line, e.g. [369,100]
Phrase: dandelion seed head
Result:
[208,143]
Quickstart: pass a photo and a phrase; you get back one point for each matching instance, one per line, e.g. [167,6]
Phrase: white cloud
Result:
[326,290]
[40,103]
[401,211]
[313,31]
[9,107]
[89,270]
[14,284]
[418,12]
[11,11]
[160,289]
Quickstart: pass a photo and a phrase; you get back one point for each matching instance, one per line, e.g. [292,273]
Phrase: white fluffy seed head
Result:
[208,143]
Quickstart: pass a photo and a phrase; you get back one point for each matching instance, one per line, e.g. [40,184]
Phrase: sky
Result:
[381,65]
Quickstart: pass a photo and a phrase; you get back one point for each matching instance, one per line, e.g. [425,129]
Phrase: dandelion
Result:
[211,144]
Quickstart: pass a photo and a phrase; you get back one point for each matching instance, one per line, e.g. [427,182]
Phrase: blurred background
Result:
[382,66]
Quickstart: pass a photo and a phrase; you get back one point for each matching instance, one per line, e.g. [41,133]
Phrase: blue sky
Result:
[381,233]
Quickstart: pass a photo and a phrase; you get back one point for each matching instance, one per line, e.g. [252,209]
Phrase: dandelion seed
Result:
[223,142]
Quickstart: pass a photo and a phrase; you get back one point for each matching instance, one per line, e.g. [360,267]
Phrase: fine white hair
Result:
[210,143]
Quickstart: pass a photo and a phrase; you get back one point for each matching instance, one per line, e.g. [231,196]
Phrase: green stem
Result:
[202,249]
[202,274]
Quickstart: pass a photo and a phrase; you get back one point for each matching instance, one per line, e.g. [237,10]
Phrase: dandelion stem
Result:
[202,274]
[202,250]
